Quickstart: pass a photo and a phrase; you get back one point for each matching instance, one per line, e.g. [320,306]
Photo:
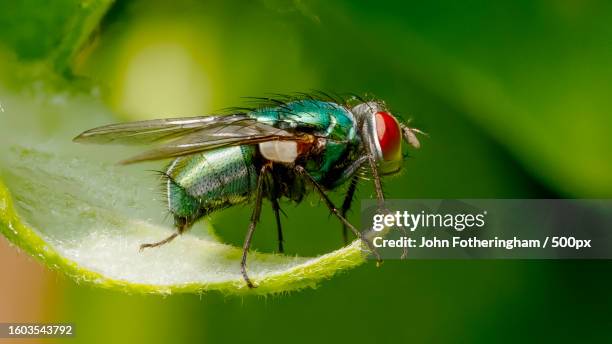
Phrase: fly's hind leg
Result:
[181,226]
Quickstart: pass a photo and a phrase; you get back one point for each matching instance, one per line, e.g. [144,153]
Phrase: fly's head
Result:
[382,135]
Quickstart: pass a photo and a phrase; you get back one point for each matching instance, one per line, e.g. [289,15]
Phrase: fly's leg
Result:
[346,205]
[409,135]
[274,197]
[181,225]
[380,196]
[350,172]
[276,208]
[369,145]
[159,243]
[336,212]
[253,224]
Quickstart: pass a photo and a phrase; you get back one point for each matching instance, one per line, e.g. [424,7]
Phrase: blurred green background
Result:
[516,96]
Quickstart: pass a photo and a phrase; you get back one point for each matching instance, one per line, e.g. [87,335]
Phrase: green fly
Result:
[281,148]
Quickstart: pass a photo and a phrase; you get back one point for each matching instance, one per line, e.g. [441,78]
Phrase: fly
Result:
[282,148]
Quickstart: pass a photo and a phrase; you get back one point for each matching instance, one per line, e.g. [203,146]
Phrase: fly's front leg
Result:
[254,219]
[380,197]
[300,170]
[409,135]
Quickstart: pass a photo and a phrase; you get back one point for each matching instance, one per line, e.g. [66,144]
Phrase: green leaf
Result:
[72,208]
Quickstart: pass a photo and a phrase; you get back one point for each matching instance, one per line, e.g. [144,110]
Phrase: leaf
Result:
[87,217]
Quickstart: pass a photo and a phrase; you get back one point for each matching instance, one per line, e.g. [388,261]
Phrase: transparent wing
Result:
[230,135]
[143,132]
[185,136]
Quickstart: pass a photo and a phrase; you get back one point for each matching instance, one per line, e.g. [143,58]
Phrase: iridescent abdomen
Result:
[201,183]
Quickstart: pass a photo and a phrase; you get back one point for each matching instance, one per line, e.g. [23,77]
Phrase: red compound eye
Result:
[389,136]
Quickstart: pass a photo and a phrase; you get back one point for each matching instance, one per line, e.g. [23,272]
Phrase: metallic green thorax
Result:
[201,183]
[323,119]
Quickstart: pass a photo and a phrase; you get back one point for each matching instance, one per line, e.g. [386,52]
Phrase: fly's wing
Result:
[145,132]
[184,136]
[206,139]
